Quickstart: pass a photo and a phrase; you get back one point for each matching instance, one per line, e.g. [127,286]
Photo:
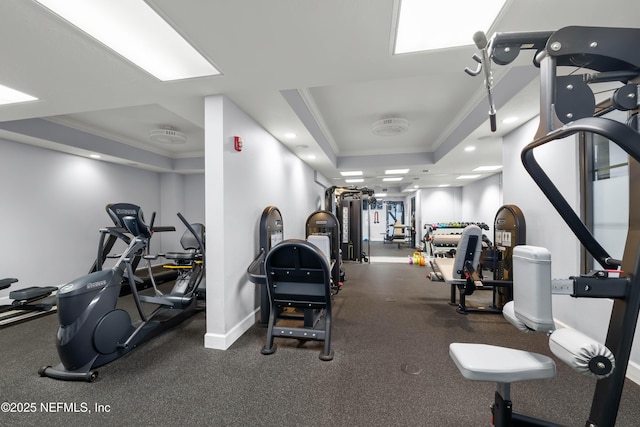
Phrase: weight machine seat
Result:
[531,311]
[183,256]
[482,362]
[298,276]
[5,283]
[190,245]
[322,242]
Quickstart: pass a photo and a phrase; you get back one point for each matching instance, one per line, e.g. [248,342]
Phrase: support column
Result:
[214,199]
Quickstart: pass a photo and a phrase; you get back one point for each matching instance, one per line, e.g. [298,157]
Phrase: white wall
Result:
[475,202]
[481,201]
[184,194]
[440,204]
[53,206]
[545,227]
[239,185]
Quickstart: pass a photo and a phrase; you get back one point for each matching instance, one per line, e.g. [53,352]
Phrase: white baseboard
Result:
[633,372]
[224,341]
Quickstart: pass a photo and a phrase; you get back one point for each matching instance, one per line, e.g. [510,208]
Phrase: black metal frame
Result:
[474,283]
[270,223]
[298,277]
[326,223]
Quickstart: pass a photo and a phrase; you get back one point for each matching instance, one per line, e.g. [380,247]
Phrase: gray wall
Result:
[53,206]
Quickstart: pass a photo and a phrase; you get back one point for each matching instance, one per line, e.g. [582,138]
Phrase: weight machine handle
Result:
[620,134]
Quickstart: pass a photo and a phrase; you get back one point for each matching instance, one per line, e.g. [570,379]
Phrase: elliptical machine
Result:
[92,330]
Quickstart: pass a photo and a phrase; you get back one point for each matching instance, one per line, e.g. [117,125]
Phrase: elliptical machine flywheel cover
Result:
[112,330]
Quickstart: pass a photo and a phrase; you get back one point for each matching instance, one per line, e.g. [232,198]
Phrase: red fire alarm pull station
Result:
[237,143]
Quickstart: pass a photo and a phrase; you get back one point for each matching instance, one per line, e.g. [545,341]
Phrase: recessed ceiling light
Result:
[290,135]
[511,119]
[351,173]
[444,185]
[134,30]
[353,180]
[468,177]
[487,168]
[398,178]
[395,171]
[469,148]
[94,156]
[311,157]
[12,96]
[425,25]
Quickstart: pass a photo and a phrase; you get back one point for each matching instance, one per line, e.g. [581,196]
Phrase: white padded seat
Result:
[323,243]
[452,269]
[482,362]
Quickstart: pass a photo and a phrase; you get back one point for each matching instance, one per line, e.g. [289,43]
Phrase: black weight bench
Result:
[26,302]
[299,277]
[5,283]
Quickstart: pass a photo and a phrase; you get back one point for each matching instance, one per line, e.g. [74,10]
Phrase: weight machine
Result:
[568,107]
[349,205]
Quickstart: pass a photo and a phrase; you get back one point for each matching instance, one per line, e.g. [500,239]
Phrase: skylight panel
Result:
[135,31]
[437,24]
[12,96]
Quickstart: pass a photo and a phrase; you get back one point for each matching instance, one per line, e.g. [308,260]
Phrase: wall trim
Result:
[224,341]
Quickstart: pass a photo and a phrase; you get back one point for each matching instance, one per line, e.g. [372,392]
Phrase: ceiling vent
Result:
[167,136]
[390,127]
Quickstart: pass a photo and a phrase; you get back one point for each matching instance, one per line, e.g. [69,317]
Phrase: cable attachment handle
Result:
[484,64]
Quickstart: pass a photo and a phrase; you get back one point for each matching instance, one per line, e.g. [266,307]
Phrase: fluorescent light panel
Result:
[134,30]
[468,177]
[395,171]
[487,168]
[392,179]
[426,25]
[351,173]
[353,180]
[12,96]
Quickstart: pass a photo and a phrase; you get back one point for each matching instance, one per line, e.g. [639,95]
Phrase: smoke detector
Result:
[390,127]
[167,136]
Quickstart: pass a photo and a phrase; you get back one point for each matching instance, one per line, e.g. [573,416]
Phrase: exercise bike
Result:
[26,302]
[92,330]
[189,264]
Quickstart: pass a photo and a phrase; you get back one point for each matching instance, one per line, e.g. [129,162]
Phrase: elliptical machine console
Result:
[92,330]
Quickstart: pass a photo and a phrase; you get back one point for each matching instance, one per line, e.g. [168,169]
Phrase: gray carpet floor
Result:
[392,328]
